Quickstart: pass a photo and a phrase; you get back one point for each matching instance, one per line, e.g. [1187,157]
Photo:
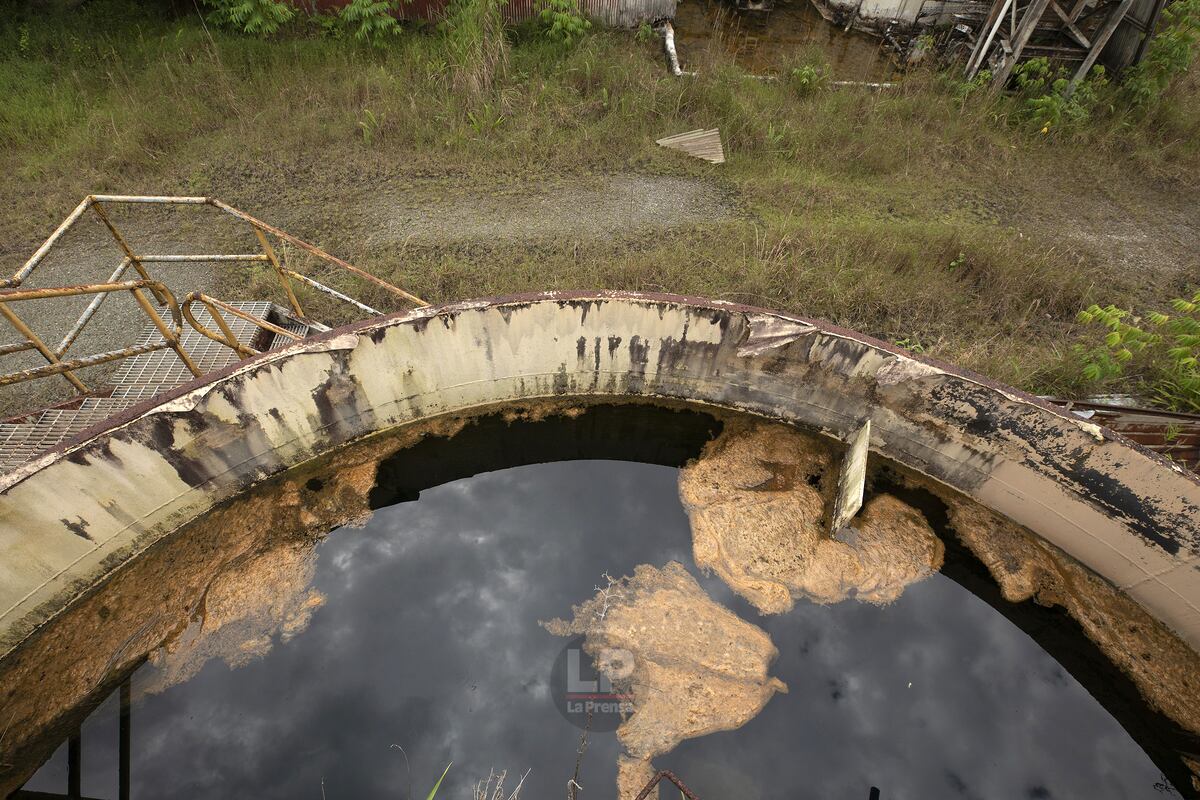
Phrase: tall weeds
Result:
[477,45]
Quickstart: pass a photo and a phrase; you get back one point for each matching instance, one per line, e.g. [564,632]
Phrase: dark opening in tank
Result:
[481,618]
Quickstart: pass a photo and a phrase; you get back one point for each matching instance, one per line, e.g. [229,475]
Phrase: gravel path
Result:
[429,211]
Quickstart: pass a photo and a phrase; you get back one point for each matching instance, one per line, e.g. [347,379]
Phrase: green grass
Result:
[855,206]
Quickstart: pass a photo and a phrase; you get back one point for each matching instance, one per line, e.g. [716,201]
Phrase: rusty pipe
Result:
[320,287]
[65,367]
[40,253]
[172,337]
[90,311]
[189,257]
[318,252]
[228,339]
[32,337]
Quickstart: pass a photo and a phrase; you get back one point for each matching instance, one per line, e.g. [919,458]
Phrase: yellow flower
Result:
[1046,129]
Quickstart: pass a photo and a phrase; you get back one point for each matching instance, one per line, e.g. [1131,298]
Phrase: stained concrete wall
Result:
[72,517]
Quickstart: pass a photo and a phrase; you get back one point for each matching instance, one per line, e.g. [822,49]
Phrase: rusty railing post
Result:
[28,333]
[172,338]
[279,272]
[132,256]
[226,331]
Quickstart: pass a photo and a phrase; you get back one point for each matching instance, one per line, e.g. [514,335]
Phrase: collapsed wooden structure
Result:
[1079,33]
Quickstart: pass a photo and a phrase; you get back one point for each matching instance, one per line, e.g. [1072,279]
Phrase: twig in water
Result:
[407,768]
[573,787]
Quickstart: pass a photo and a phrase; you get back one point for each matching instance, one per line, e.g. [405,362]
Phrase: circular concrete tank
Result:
[76,516]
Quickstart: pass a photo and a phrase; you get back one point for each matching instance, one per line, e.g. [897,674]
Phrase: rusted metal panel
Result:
[1171,434]
[613,13]
[1117,508]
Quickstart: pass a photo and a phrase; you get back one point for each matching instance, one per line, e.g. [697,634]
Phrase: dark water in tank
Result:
[428,639]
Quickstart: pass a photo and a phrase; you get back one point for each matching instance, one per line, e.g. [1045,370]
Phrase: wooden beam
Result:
[1150,26]
[1077,9]
[988,30]
[1033,15]
[1069,24]
[1102,37]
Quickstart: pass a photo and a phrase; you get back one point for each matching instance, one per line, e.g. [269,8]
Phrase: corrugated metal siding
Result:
[611,13]
[1171,434]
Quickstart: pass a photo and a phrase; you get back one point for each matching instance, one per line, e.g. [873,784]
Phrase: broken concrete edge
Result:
[148,471]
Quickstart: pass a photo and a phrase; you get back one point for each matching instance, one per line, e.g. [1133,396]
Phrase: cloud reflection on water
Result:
[429,639]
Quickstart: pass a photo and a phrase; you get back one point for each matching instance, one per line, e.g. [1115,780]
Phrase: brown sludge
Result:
[1025,567]
[692,666]
[759,520]
[243,610]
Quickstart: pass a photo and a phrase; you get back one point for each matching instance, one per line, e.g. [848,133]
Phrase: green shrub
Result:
[563,22]
[808,78]
[254,17]
[1165,348]
[1170,54]
[1048,102]
[372,22]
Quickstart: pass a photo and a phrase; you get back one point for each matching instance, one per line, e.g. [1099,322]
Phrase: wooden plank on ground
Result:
[700,143]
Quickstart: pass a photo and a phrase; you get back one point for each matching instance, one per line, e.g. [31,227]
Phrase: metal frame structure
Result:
[56,366]
[226,335]
[11,291]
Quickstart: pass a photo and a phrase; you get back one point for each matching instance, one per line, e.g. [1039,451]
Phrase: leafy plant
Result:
[563,22]
[485,120]
[964,89]
[1049,102]
[645,33]
[807,78]
[369,124]
[1165,347]
[776,136]
[23,41]
[254,17]
[373,22]
[1170,53]
[911,344]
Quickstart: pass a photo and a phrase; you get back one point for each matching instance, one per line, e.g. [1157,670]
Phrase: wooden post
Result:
[1102,37]
[987,33]
[1150,26]
[1033,15]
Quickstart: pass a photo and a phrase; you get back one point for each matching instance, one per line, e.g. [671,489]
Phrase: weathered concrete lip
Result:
[426,312]
[1119,509]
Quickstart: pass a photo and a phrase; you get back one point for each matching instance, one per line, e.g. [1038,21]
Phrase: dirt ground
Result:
[385,214]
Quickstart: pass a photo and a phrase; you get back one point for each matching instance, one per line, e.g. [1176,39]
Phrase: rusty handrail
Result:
[137,261]
[666,773]
[56,366]
[226,336]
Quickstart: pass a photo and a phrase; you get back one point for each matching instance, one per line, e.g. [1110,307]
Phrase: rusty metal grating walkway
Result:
[144,376]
